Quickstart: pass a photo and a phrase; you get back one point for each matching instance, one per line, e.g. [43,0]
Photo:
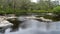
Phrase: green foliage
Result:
[25,6]
[38,11]
[9,11]
[57,9]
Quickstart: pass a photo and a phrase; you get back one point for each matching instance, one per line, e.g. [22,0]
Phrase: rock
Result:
[5,23]
[46,20]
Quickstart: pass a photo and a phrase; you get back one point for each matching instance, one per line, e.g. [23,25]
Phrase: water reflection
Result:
[16,24]
[31,26]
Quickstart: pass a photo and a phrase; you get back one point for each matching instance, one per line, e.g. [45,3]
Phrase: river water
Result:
[31,26]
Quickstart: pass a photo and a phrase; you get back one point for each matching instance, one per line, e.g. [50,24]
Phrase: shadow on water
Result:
[15,23]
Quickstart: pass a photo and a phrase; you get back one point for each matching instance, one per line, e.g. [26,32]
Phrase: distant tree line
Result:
[20,7]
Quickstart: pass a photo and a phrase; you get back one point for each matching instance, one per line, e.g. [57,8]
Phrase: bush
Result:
[39,11]
[56,9]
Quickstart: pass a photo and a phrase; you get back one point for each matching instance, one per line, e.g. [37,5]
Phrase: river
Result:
[31,26]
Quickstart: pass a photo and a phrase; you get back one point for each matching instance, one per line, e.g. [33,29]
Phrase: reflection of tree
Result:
[15,23]
[2,29]
[47,25]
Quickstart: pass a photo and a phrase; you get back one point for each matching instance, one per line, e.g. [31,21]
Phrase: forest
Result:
[24,7]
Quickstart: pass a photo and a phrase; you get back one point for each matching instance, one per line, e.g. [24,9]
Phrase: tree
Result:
[46,4]
[57,10]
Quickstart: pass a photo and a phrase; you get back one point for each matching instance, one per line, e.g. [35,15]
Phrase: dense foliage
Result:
[26,6]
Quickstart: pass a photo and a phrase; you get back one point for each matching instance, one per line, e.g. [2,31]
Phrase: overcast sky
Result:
[33,0]
[36,0]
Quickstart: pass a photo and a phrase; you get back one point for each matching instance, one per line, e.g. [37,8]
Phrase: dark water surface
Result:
[31,26]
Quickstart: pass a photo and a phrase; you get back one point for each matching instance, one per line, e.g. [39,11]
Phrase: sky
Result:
[36,0]
[33,0]
[53,0]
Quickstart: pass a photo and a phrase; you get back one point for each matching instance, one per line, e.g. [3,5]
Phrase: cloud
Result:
[33,0]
